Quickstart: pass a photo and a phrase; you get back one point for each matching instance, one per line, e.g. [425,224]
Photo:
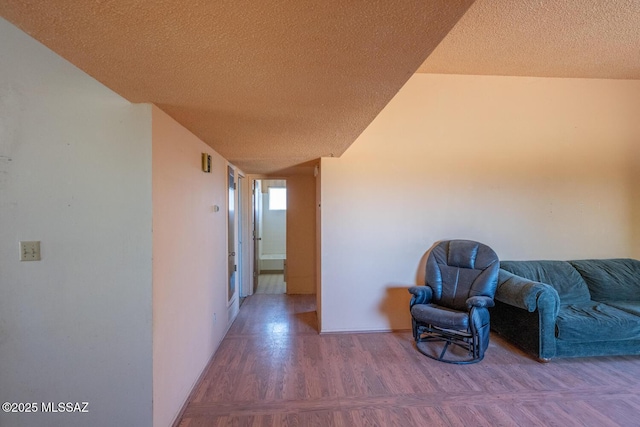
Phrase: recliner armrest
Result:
[526,294]
[421,295]
[480,302]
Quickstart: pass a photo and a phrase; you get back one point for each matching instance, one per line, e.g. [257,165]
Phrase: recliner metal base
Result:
[466,341]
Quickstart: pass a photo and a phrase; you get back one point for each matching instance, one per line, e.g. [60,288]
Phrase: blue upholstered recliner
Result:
[461,280]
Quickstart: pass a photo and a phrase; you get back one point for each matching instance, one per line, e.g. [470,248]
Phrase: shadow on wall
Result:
[395,304]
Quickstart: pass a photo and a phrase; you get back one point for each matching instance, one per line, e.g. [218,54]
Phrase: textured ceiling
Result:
[269,84]
[553,38]
[274,84]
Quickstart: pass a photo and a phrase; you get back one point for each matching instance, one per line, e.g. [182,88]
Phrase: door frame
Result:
[232,285]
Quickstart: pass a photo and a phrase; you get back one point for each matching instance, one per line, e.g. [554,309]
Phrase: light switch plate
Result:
[30,251]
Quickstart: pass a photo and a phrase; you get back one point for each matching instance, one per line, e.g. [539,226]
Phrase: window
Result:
[277,198]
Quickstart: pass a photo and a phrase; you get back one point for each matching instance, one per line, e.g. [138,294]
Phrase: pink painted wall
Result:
[534,167]
[301,234]
[634,193]
[189,263]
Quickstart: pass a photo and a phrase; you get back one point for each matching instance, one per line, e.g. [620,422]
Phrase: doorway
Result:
[270,236]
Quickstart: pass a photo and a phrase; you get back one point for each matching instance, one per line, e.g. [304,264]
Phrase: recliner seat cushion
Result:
[441,317]
[571,287]
[595,321]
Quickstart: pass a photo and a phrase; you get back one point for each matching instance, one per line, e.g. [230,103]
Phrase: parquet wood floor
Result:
[274,369]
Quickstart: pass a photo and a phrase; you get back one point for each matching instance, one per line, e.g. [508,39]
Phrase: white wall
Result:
[536,168]
[75,173]
[189,263]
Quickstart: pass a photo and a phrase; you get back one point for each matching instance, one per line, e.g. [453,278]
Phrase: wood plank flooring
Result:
[274,369]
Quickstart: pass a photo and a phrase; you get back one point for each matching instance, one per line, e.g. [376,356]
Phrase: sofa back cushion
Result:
[611,279]
[571,287]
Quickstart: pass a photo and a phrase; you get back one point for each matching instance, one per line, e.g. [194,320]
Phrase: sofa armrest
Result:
[541,300]
[526,294]
[420,295]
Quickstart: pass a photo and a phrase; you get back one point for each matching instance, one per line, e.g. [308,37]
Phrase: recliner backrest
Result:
[459,269]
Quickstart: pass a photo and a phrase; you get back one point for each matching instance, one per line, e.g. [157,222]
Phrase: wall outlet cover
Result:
[30,251]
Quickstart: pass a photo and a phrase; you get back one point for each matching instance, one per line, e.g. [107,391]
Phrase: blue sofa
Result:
[579,308]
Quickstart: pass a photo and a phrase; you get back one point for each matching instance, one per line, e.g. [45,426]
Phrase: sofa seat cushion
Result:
[596,321]
[571,287]
[441,316]
[632,307]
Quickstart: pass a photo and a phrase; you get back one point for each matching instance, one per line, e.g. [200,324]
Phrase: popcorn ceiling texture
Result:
[554,38]
[268,84]
[274,84]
